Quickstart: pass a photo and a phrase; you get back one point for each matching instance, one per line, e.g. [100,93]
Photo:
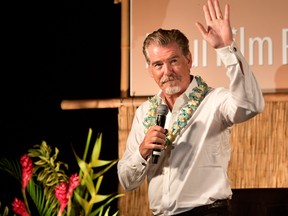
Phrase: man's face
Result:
[170,68]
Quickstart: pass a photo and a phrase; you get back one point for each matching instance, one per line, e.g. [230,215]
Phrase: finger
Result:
[211,10]
[201,29]
[218,10]
[158,141]
[227,12]
[206,14]
[158,146]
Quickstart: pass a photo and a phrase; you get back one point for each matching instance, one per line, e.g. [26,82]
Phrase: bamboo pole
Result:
[125,47]
[135,101]
[102,103]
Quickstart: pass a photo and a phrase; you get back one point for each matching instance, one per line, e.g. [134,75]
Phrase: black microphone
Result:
[162,111]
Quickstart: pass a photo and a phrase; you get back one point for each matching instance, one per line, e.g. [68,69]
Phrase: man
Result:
[190,176]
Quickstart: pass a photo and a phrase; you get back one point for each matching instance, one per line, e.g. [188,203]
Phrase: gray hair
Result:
[163,37]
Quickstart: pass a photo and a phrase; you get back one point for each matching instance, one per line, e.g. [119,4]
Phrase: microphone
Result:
[162,111]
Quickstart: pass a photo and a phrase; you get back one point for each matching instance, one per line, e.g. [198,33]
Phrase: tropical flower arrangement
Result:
[44,181]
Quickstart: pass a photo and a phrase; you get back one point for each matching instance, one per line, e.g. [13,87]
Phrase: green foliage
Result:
[49,172]
[4,212]
[12,167]
[86,195]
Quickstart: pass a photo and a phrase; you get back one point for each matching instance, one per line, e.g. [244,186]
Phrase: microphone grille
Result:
[162,109]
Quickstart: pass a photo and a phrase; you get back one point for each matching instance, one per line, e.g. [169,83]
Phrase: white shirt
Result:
[194,171]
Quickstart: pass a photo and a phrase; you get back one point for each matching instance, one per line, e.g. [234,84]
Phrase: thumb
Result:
[201,29]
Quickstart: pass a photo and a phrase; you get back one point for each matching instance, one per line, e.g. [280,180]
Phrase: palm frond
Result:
[11,167]
[45,206]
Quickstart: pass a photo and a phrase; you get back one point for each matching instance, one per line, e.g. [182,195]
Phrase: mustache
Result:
[165,79]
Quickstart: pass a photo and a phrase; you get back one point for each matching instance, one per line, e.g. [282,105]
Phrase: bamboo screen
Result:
[259,153]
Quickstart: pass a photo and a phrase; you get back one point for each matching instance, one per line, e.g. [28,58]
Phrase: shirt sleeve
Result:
[132,167]
[245,98]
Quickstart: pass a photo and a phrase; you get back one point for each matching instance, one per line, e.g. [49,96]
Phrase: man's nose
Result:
[167,69]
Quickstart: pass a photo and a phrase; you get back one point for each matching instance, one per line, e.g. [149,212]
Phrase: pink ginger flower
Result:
[27,170]
[19,207]
[61,195]
[64,191]
[73,183]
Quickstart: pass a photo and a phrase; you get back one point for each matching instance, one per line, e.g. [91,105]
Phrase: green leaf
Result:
[97,211]
[83,202]
[99,198]
[87,144]
[89,185]
[99,163]
[100,173]
[97,148]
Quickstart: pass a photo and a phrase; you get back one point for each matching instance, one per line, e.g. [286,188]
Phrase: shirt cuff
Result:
[228,54]
[139,158]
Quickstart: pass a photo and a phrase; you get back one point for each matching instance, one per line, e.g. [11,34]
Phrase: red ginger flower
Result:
[27,170]
[19,207]
[64,191]
[61,195]
[73,183]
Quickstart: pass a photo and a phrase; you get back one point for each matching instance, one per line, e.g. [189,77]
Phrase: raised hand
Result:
[218,32]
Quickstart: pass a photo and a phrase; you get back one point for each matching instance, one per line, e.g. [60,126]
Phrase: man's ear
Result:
[189,59]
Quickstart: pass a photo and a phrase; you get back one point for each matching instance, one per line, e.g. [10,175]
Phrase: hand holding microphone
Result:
[162,111]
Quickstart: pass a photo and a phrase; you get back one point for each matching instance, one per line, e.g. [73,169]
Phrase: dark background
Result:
[53,53]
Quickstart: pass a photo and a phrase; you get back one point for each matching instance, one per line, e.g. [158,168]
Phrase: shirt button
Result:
[234,49]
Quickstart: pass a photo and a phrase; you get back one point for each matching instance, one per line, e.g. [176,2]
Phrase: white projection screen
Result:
[260,30]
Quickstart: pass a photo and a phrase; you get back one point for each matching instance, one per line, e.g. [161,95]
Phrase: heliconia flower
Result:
[64,191]
[19,207]
[27,170]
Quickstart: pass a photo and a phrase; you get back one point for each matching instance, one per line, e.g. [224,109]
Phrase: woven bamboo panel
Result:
[259,153]
[135,202]
[259,157]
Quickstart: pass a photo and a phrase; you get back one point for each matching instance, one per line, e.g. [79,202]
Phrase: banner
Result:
[260,30]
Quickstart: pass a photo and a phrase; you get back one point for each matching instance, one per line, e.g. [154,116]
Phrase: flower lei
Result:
[195,97]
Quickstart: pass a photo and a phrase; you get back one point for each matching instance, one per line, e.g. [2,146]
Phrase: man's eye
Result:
[173,61]
[157,66]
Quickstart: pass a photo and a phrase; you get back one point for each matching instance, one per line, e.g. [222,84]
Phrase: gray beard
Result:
[172,90]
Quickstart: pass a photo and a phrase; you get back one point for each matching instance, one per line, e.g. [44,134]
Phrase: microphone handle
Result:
[160,120]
